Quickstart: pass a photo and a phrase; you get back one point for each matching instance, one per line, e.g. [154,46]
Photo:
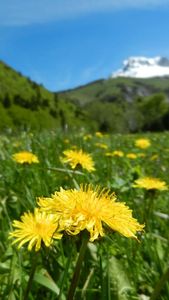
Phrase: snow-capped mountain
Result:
[143,67]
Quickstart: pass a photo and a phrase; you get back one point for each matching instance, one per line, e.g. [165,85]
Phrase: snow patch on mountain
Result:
[143,67]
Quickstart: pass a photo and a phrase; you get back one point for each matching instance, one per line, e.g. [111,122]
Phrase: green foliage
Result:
[112,105]
[114,89]
[153,110]
[114,267]
[124,104]
[108,116]
[5,120]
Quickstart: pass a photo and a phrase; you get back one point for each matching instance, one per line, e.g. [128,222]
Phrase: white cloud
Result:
[24,12]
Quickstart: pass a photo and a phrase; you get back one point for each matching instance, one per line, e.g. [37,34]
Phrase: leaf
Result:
[93,250]
[4,267]
[46,280]
[119,280]
[11,296]
[160,249]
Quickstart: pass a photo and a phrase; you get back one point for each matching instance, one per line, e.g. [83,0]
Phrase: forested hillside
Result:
[115,105]
[125,104]
[24,103]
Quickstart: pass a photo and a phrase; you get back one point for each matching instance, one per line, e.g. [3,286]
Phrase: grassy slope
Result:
[14,83]
[25,103]
[103,89]
[30,104]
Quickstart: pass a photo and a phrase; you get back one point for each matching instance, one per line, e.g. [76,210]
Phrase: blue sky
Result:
[67,43]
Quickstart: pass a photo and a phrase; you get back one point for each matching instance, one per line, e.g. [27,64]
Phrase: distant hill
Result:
[14,83]
[114,104]
[113,89]
[124,104]
[26,104]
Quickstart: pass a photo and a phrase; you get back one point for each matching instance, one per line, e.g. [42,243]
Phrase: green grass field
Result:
[114,266]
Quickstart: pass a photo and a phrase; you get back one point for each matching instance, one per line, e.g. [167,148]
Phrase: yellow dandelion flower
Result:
[35,229]
[109,154]
[149,183]
[142,143]
[87,137]
[99,134]
[118,153]
[78,157]
[90,208]
[101,145]
[131,155]
[25,157]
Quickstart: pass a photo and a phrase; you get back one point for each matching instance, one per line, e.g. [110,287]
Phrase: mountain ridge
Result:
[115,104]
[113,88]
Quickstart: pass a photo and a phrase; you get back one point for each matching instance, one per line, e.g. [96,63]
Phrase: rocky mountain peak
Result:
[143,67]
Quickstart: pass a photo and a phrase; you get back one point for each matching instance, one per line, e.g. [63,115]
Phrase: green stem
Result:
[21,274]
[77,270]
[11,275]
[87,283]
[149,197]
[65,274]
[160,284]
[6,212]
[108,279]
[31,276]
[63,170]
[71,175]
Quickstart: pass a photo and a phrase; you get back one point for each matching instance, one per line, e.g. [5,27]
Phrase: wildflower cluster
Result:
[60,225]
[73,211]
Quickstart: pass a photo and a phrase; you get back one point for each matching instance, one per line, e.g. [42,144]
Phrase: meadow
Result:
[113,266]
